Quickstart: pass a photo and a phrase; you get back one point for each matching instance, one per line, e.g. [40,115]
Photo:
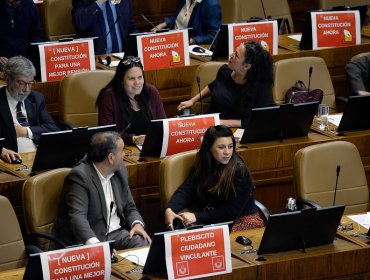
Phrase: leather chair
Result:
[328,4]
[12,249]
[57,19]
[40,204]
[207,73]
[78,93]
[315,169]
[279,9]
[173,171]
[288,71]
[230,11]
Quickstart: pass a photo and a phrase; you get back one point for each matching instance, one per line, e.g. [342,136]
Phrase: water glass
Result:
[322,116]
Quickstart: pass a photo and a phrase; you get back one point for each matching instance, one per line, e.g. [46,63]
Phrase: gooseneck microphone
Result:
[309,79]
[200,95]
[127,127]
[148,21]
[336,184]
[113,25]
[110,215]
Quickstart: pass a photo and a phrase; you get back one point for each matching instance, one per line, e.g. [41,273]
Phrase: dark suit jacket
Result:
[358,74]
[89,22]
[39,119]
[83,211]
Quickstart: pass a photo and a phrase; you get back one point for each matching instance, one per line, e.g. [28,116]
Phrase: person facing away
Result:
[203,17]
[244,83]
[23,114]
[110,22]
[96,204]
[358,75]
[218,189]
[19,27]
[129,102]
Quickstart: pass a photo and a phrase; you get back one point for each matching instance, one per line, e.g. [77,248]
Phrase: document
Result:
[136,256]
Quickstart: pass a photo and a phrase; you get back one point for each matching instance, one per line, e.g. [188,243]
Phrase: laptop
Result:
[279,122]
[2,141]
[152,145]
[64,148]
[356,115]
[301,229]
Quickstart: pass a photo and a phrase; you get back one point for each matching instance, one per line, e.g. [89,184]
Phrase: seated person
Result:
[218,189]
[358,75]
[96,203]
[23,114]
[19,27]
[129,102]
[111,23]
[243,84]
[203,16]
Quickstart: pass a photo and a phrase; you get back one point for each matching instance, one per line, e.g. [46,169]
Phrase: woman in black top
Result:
[218,189]
[243,84]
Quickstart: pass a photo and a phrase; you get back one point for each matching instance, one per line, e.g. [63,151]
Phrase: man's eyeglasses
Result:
[131,59]
[23,84]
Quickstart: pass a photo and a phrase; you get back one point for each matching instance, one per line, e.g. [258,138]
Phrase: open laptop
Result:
[279,122]
[301,229]
[356,115]
[64,148]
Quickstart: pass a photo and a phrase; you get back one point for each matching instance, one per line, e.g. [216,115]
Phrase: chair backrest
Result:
[328,4]
[57,19]
[315,176]
[207,73]
[230,11]
[78,93]
[278,9]
[173,171]
[12,250]
[288,71]
[41,201]
[359,55]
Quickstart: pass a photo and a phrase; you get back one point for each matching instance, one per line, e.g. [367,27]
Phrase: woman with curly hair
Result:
[244,83]
[218,189]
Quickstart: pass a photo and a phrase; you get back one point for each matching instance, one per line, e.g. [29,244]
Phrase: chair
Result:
[230,11]
[173,171]
[40,204]
[278,9]
[288,71]
[328,4]
[78,93]
[57,19]
[207,73]
[12,249]
[359,55]
[315,176]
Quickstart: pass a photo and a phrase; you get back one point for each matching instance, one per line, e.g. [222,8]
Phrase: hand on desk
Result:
[9,155]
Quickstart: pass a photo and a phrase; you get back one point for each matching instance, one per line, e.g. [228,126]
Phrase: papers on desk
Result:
[119,55]
[136,256]
[296,37]
[335,119]
[362,219]
[238,134]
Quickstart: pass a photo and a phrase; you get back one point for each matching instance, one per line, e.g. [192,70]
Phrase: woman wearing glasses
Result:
[244,83]
[129,102]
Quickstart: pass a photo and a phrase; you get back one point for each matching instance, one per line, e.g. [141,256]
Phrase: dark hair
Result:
[101,145]
[209,175]
[116,84]
[261,65]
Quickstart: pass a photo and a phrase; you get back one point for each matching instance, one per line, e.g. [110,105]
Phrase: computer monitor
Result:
[279,122]
[64,148]
[301,229]
[356,114]
[34,269]
[306,40]
[152,145]
[2,141]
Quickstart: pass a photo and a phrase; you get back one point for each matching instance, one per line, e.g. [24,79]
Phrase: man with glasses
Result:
[23,115]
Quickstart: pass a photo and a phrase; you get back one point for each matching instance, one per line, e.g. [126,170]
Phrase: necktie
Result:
[20,117]
[112,28]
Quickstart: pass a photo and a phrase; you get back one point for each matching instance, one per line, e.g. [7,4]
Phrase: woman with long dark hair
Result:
[218,189]
[129,102]
[244,83]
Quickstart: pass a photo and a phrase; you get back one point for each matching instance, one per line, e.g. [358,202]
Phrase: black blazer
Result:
[39,119]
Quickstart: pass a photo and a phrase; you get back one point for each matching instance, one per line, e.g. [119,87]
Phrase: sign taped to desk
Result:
[60,59]
[198,253]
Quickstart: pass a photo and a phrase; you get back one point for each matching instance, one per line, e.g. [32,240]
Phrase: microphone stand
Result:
[336,184]
[309,79]
[200,95]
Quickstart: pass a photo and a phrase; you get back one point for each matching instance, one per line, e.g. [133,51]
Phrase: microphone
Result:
[110,215]
[200,96]
[336,184]
[148,21]
[127,127]
[263,9]
[309,79]
[110,30]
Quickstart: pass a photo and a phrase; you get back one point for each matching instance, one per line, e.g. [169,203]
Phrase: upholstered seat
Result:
[78,93]
[41,201]
[12,249]
[315,174]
